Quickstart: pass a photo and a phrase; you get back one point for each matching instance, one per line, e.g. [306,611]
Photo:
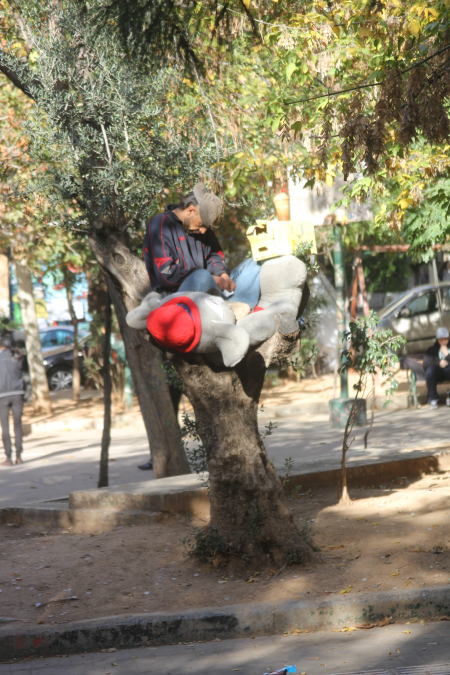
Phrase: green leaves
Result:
[372,351]
[290,68]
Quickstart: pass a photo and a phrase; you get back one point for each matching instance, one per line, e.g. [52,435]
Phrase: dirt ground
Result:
[283,391]
[392,537]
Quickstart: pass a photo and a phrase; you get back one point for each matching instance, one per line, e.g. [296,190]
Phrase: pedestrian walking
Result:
[11,397]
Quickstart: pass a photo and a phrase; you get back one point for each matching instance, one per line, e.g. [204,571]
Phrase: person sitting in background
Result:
[436,364]
[11,397]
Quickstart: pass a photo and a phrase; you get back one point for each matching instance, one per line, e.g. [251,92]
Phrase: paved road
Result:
[59,463]
[383,649]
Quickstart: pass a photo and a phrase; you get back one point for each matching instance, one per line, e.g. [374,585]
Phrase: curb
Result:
[306,408]
[118,421]
[107,508]
[124,632]
[360,474]
[84,521]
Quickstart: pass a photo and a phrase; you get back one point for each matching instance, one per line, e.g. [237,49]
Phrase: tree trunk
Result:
[362,284]
[38,377]
[250,517]
[126,272]
[149,381]
[106,436]
[76,380]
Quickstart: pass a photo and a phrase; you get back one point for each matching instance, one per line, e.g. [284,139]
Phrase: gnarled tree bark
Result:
[249,512]
[128,283]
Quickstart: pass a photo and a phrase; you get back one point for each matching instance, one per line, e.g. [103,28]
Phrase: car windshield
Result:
[394,305]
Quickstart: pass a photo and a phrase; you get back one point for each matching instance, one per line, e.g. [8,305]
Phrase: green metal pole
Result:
[340,298]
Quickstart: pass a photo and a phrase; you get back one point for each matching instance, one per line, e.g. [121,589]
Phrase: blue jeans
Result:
[245,276]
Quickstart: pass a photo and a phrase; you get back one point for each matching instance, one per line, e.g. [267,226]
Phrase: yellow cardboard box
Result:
[273,238]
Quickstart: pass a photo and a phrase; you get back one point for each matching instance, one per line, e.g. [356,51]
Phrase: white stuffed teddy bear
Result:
[203,323]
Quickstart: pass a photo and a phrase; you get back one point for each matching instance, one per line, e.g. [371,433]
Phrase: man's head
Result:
[442,336]
[199,210]
[188,211]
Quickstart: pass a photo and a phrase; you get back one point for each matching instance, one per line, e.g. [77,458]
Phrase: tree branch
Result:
[210,115]
[18,82]
[14,78]
[283,344]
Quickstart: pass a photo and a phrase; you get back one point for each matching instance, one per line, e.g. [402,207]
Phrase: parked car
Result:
[57,350]
[416,315]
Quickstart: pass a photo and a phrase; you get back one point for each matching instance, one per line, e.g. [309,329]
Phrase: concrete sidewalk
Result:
[426,648]
[314,446]
[63,462]
[59,463]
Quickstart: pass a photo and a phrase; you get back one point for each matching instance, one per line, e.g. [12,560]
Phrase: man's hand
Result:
[443,363]
[225,283]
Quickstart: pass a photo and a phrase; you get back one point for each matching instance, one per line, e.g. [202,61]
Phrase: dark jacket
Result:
[171,254]
[431,357]
[11,381]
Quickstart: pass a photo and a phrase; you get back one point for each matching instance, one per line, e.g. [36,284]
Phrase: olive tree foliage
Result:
[113,145]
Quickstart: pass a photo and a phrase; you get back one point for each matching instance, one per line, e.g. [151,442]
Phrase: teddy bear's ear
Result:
[137,318]
[232,341]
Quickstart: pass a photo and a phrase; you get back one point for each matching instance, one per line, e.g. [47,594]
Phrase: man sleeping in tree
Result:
[182,254]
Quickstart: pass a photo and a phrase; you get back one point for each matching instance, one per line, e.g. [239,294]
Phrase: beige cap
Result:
[211,207]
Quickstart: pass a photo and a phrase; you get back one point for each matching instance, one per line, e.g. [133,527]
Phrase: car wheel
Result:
[60,379]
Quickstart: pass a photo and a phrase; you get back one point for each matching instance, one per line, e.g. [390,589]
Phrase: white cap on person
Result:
[442,332]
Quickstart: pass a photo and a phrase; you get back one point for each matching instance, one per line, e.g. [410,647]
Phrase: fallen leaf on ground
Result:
[347,589]
[347,629]
[374,523]
[217,640]
[314,658]
[398,651]
[366,625]
[406,631]
[395,574]
[234,669]
[74,597]
[384,622]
